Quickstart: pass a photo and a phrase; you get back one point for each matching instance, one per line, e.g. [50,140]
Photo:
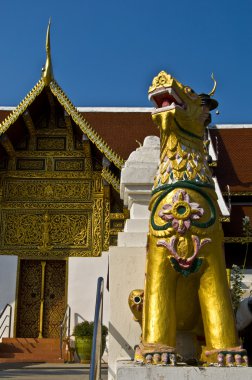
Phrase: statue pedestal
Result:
[128,370]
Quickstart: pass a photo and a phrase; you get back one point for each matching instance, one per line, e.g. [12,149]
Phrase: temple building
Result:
[61,209]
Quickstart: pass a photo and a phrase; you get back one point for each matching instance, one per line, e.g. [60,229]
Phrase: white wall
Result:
[83,273]
[126,274]
[8,278]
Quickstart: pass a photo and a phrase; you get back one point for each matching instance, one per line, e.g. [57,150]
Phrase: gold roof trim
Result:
[85,126]
[21,108]
[111,179]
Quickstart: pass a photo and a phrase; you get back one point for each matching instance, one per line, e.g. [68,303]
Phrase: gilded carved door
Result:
[41,298]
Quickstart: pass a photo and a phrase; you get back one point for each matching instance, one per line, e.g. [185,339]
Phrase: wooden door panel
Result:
[54,296]
[29,299]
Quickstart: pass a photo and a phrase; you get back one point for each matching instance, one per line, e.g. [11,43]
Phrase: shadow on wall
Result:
[111,372]
[121,341]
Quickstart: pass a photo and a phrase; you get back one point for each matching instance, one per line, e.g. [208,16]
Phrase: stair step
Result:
[34,341]
[31,360]
[16,348]
[26,352]
[30,350]
[37,354]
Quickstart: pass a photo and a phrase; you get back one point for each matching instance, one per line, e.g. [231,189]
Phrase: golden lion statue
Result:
[186,280]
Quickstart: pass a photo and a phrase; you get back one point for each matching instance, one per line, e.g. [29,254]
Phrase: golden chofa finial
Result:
[48,70]
[214,87]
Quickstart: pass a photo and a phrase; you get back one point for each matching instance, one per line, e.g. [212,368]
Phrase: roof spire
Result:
[48,70]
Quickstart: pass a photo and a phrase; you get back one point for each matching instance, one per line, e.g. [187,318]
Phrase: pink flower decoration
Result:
[181,212]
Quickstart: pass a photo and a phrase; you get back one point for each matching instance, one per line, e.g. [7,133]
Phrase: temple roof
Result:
[9,117]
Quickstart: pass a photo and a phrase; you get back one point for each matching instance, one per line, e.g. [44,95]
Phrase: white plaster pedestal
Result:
[127,370]
[127,260]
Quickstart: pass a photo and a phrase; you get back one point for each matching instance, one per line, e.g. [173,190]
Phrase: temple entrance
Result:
[41,298]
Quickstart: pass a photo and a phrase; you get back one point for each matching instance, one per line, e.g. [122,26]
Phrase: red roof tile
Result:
[121,129]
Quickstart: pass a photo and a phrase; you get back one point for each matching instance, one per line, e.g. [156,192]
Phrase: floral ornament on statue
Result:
[181,212]
[184,263]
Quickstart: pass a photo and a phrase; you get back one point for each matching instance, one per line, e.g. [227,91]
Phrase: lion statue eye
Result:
[189,91]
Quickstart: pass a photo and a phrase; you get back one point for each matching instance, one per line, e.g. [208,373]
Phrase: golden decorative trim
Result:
[161,80]
[238,193]
[111,179]
[116,215]
[30,97]
[85,126]
[97,226]
[61,154]
[224,219]
[114,231]
[213,164]
[30,164]
[29,174]
[26,190]
[52,255]
[238,239]
[45,206]
[40,231]
[106,224]
[41,314]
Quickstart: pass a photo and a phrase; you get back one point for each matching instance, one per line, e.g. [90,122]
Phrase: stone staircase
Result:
[30,350]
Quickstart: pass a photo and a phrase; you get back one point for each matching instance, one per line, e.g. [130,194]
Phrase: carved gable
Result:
[54,201]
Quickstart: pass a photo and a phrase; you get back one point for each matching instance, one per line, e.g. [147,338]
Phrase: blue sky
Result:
[105,53]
